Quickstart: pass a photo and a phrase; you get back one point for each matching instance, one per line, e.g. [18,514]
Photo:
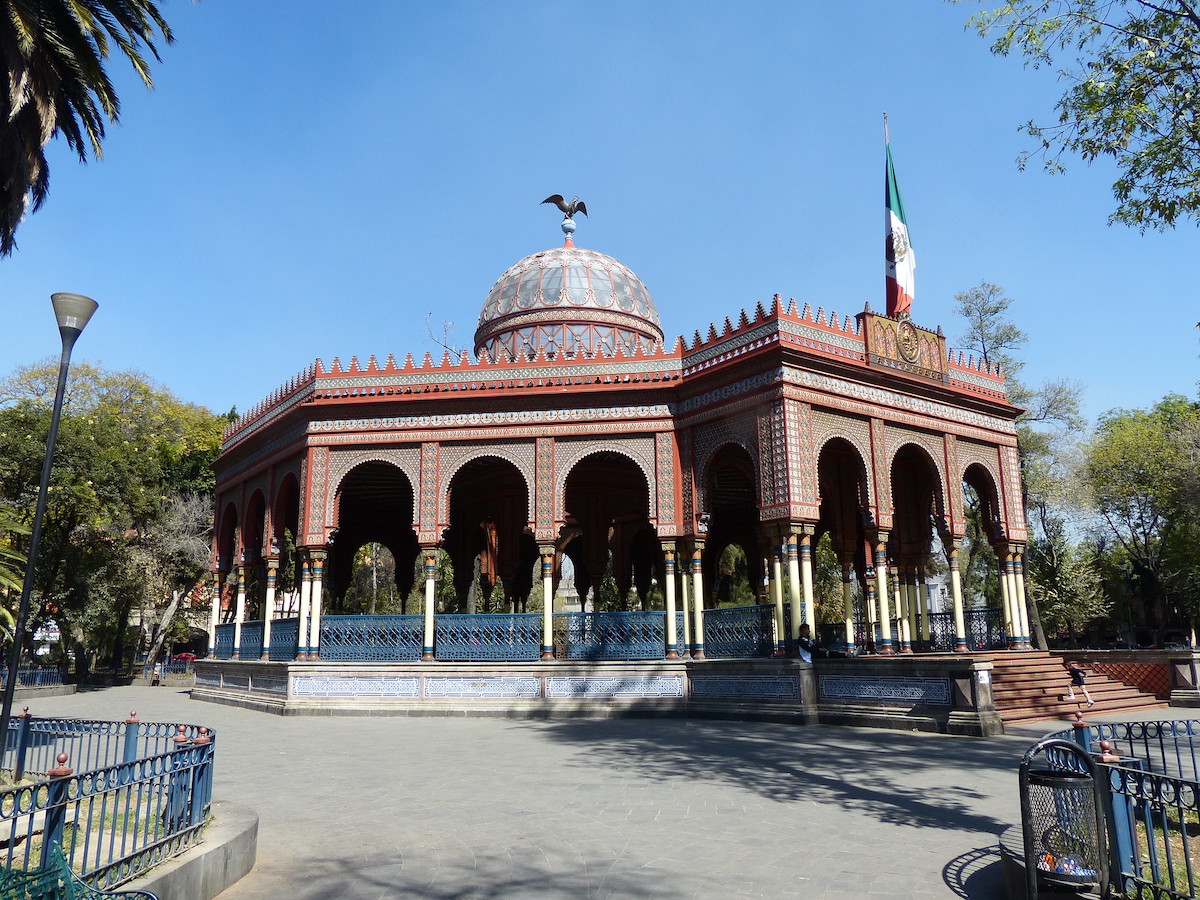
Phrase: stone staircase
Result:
[1029,684]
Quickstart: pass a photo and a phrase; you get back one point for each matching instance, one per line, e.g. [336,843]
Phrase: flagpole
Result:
[886,140]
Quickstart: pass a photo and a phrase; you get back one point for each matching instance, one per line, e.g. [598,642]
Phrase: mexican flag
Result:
[901,261]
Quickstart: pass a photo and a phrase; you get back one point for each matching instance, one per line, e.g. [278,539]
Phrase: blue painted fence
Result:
[252,640]
[371,638]
[739,632]
[136,793]
[223,648]
[33,677]
[285,639]
[508,637]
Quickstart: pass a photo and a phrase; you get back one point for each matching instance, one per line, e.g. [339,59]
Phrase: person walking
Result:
[1078,677]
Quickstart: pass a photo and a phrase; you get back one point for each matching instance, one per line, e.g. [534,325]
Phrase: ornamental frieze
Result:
[507,417]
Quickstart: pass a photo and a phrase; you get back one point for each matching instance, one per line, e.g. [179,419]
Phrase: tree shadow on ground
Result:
[977,875]
[386,878]
[898,778]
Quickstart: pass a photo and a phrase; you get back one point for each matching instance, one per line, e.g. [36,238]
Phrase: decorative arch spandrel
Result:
[708,441]
[828,426]
[342,462]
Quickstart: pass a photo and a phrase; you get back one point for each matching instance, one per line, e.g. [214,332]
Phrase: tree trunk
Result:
[162,626]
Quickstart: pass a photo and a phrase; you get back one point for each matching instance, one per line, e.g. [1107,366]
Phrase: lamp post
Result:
[72,312]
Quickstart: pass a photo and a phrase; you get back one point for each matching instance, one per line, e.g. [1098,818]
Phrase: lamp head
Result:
[73,312]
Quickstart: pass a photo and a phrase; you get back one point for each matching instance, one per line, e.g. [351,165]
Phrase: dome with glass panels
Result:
[567,301]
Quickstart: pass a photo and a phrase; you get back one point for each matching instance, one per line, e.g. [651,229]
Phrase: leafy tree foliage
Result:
[1140,470]
[55,83]
[122,530]
[1050,415]
[1133,74]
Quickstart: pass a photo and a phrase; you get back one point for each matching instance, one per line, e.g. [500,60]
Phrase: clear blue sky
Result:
[313,179]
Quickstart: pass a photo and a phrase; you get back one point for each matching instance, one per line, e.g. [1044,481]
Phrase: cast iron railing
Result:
[739,632]
[252,640]
[372,638]
[118,797]
[611,635]
[223,647]
[285,640]
[494,637]
[34,677]
[1153,795]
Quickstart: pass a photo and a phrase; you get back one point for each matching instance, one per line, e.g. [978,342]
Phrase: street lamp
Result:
[72,312]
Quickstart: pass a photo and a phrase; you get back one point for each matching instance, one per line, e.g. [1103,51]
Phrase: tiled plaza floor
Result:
[449,808]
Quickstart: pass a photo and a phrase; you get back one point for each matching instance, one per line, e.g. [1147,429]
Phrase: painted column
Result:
[923,605]
[430,601]
[214,613]
[269,605]
[886,647]
[684,591]
[900,598]
[775,560]
[1022,606]
[914,603]
[848,598]
[872,610]
[314,638]
[1011,626]
[305,596]
[795,589]
[669,591]
[698,600]
[960,628]
[547,603]
[240,610]
[806,583]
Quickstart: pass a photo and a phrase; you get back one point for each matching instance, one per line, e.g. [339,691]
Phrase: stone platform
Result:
[939,693]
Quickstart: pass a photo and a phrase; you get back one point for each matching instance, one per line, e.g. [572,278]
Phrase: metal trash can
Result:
[1062,819]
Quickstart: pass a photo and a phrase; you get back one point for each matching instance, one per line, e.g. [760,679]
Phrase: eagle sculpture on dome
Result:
[570,207]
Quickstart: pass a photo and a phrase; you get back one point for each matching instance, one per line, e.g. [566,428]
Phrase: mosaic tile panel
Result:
[885,689]
[494,688]
[401,687]
[687,515]
[880,464]
[318,470]
[664,453]
[208,679]
[544,494]
[1014,512]
[745,687]
[957,515]
[587,687]
[428,491]
[268,684]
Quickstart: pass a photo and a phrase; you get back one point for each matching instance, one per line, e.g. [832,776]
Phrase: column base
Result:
[234,655]
[961,647]
[547,654]
[426,656]
[698,653]
[266,656]
[672,654]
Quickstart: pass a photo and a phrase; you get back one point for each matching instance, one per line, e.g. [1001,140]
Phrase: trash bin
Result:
[1062,819]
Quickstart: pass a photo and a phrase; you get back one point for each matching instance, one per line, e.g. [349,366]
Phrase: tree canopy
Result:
[55,83]
[1133,73]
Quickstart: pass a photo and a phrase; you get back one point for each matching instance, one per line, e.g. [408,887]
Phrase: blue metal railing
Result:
[1153,795]
[372,638]
[612,635]
[509,637]
[739,632]
[285,640]
[252,640]
[117,797]
[33,677]
[223,649]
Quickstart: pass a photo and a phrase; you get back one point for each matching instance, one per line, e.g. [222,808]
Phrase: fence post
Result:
[56,810]
[22,745]
[202,763]
[1082,733]
[1118,810]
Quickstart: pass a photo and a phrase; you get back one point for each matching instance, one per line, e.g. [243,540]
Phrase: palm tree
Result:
[53,52]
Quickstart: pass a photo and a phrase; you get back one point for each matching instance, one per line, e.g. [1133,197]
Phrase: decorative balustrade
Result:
[513,637]
[372,638]
[252,640]
[739,632]
[33,677]
[612,635]
[285,640]
[223,648]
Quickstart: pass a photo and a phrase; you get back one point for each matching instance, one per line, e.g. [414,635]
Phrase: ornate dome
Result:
[567,300]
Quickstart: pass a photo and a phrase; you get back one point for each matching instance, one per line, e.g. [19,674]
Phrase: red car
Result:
[185,657]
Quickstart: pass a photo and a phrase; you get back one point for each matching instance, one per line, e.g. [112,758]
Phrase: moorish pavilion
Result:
[579,431]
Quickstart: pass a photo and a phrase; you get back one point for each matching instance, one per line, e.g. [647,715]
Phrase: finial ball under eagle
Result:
[569,208]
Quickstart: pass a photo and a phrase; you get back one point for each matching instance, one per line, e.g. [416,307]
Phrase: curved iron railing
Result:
[372,638]
[739,632]
[133,794]
[252,640]
[495,637]
[223,647]
[285,640]
[612,635]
